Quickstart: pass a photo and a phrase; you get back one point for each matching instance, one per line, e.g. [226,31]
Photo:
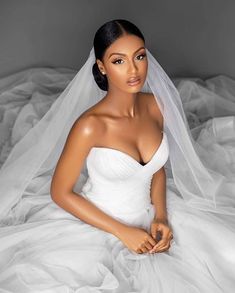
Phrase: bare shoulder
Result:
[81,137]
[85,133]
[86,129]
[152,106]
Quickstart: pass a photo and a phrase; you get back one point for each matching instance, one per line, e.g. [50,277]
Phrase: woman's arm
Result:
[88,212]
[79,141]
[160,221]
[158,194]
[158,185]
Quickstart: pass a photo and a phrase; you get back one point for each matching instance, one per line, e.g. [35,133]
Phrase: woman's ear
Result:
[100,66]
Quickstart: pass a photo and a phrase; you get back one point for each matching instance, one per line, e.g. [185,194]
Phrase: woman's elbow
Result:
[56,191]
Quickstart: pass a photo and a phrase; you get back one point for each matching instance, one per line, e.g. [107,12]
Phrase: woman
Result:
[123,107]
[114,233]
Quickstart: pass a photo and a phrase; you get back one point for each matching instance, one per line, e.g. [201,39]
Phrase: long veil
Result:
[29,167]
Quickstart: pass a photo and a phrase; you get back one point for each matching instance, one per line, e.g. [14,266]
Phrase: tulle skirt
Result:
[53,251]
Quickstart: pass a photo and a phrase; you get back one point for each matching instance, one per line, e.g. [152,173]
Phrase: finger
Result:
[166,232]
[144,249]
[161,243]
[156,234]
[149,246]
[156,238]
[154,229]
[152,241]
[161,236]
[163,248]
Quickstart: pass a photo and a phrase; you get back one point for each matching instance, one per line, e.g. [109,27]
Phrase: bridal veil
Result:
[33,159]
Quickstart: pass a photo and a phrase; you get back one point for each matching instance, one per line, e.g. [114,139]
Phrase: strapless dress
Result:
[53,251]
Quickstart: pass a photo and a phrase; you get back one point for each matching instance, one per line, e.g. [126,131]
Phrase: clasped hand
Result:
[164,243]
[141,241]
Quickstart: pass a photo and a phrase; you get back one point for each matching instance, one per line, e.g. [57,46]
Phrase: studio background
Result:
[188,37]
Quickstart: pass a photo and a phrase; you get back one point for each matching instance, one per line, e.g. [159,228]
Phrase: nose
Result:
[132,67]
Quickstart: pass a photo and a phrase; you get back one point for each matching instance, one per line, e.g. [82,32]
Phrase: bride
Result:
[125,120]
[107,193]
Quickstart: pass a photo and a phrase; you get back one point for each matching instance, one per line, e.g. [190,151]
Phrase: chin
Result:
[135,89]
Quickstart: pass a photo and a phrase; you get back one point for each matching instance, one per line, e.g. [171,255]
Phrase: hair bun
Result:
[100,79]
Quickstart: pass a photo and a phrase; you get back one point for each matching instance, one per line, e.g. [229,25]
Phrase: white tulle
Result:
[200,186]
[45,249]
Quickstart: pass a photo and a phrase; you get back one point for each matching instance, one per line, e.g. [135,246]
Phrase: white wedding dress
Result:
[51,251]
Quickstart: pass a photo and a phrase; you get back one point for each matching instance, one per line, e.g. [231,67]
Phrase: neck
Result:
[122,103]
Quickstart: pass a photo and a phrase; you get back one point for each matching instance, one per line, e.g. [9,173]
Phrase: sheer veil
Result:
[30,164]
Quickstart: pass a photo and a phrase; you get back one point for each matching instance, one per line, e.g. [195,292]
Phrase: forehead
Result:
[126,44]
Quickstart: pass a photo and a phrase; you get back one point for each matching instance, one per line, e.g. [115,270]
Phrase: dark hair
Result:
[104,37]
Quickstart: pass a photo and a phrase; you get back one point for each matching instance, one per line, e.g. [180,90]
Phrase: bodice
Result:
[118,183]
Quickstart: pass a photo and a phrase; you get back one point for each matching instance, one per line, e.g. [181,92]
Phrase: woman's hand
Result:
[137,239]
[161,225]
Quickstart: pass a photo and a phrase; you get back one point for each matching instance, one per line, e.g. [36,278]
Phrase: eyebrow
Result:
[125,54]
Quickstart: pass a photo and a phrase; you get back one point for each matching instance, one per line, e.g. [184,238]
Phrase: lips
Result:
[133,79]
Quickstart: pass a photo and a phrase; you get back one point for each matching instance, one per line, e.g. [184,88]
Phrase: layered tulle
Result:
[45,249]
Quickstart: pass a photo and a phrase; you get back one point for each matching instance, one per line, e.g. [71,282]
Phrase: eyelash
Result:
[114,62]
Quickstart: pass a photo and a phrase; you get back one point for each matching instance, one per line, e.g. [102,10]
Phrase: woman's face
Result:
[125,59]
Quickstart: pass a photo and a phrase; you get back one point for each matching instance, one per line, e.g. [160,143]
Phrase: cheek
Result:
[144,67]
[117,74]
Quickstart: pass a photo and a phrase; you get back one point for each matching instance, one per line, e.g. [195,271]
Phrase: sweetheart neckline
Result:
[129,156]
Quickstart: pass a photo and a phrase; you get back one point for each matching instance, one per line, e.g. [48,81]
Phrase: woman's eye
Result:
[143,55]
[115,61]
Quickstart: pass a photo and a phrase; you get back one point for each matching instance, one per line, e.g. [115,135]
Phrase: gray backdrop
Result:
[188,37]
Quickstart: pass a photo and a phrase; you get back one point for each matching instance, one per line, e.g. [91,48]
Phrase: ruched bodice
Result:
[118,183]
